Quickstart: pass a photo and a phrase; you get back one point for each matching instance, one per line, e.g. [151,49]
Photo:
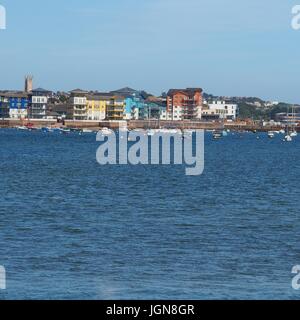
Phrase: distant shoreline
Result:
[141,124]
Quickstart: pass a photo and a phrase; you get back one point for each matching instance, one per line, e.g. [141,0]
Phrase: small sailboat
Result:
[288,138]
[294,132]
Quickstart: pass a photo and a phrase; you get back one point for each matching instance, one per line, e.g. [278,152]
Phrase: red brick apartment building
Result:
[189,101]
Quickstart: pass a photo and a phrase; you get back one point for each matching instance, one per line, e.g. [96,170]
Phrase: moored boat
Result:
[217,134]
[294,134]
[22,128]
[87,131]
[271,134]
[288,138]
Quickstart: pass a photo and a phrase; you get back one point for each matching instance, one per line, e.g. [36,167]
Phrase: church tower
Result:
[28,83]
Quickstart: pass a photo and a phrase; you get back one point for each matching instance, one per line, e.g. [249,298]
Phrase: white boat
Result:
[271,134]
[282,131]
[217,134]
[151,133]
[65,130]
[23,128]
[106,131]
[87,131]
[294,134]
[288,138]
[225,133]
[170,131]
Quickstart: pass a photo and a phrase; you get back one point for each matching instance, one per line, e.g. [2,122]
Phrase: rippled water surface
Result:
[71,229]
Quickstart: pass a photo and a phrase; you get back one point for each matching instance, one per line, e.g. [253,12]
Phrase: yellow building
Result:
[97,106]
[115,109]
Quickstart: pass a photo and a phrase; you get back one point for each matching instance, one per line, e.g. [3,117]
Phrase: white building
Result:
[39,102]
[18,113]
[174,115]
[271,103]
[78,101]
[221,110]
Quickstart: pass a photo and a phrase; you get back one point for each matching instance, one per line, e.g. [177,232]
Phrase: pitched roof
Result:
[14,94]
[187,91]
[41,90]
[79,91]
[100,96]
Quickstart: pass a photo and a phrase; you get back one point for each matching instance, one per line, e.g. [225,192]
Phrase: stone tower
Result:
[28,83]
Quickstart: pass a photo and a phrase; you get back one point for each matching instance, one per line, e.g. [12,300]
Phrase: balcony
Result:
[80,108]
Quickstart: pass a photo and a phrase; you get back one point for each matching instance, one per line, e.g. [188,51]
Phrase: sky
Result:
[226,47]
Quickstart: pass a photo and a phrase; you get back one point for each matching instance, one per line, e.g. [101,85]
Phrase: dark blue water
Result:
[71,229]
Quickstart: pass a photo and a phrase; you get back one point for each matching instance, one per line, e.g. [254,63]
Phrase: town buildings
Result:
[78,103]
[184,104]
[134,106]
[219,110]
[14,105]
[4,105]
[115,109]
[122,104]
[39,99]
[96,106]
[18,105]
[290,117]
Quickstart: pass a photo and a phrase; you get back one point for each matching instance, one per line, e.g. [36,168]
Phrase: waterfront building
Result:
[96,105]
[14,104]
[153,110]
[184,104]
[18,105]
[175,114]
[4,105]
[39,99]
[78,103]
[115,109]
[134,102]
[220,110]
[284,117]
[134,107]
[60,111]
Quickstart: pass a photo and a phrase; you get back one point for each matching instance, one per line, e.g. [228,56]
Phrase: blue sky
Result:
[227,47]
